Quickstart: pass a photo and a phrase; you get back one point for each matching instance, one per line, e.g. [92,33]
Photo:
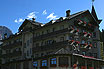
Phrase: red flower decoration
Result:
[90,45]
[85,44]
[89,24]
[84,22]
[77,30]
[85,33]
[79,20]
[72,40]
[72,28]
[75,65]
[77,42]
[89,34]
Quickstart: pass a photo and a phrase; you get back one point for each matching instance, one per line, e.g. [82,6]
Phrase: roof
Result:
[65,18]
[29,21]
[93,12]
[64,51]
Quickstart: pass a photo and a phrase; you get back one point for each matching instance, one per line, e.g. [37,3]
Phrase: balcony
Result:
[13,54]
[50,46]
[86,46]
[85,35]
[52,34]
[83,24]
[15,44]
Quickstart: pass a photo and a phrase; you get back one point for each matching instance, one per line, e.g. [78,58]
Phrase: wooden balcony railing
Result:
[63,31]
[83,24]
[15,44]
[50,46]
[13,54]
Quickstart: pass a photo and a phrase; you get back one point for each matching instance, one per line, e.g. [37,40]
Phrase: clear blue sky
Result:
[13,12]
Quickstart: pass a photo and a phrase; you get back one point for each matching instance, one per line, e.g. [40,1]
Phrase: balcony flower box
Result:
[84,34]
[84,45]
[76,43]
[71,42]
[79,22]
[91,67]
[84,23]
[89,35]
[83,67]
[71,30]
[76,30]
[75,65]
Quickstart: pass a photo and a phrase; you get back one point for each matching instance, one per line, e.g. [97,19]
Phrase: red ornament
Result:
[85,33]
[84,22]
[75,65]
[89,24]
[90,45]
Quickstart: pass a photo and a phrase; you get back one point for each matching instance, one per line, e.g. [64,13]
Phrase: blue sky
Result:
[13,12]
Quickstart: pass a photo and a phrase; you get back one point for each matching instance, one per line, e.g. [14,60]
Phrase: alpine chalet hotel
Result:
[71,42]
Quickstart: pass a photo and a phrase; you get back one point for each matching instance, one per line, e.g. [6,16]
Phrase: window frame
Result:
[44,63]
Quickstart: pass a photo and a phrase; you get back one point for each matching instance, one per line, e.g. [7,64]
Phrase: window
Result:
[83,31]
[70,38]
[27,53]
[48,31]
[82,41]
[27,42]
[42,54]
[37,34]
[54,29]
[61,38]
[95,45]
[95,55]
[36,55]
[88,42]
[42,43]
[90,54]
[44,62]
[76,39]
[30,51]
[62,27]
[53,61]
[37,44]
[49,41]
[31,40]
[35,64]
[94,35]
[42,32]
[63,61]
[24,45]
[83,53]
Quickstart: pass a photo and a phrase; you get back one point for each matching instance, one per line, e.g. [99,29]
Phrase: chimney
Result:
[33,19]
[67,13]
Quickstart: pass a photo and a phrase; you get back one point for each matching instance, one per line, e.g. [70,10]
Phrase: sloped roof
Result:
[93,12]
[62,51]
[29,21]
[66,18]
